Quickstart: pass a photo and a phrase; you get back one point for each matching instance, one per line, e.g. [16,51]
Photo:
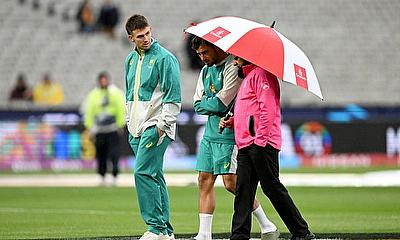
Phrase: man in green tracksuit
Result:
[153,101]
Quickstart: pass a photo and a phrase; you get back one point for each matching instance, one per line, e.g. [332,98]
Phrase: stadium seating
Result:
[353,45]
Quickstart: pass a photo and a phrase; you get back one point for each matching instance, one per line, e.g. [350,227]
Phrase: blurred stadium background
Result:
[354,47]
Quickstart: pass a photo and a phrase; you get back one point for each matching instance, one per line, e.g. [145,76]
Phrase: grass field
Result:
[107,212]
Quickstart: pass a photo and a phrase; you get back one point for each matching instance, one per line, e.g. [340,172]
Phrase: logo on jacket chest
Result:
[214,85]
[151,63]
[212,88]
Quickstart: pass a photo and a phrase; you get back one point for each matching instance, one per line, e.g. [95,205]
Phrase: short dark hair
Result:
[197,42]
[103,75]
[135,22]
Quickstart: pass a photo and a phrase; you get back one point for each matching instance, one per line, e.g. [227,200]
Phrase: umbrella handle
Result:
[226,118]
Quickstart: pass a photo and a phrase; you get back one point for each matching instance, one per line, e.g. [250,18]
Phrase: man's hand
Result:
[92,137]
[226,123]
[160,132]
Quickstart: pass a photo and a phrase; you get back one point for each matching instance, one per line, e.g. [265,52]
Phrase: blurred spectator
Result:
[35,4]
[51,9]
[65,15]
[21,90]
[104,117]
[194,61]
[109,17]
[47,92]
[85,18]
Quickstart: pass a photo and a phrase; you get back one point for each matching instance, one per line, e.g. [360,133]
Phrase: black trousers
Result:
[258,164]
[107,147]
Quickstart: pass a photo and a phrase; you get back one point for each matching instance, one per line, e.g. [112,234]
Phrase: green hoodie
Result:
[216,88]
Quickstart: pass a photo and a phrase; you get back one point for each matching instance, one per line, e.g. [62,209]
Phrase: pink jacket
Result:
[257,114]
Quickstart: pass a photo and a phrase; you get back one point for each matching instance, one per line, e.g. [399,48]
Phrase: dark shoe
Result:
[308,236]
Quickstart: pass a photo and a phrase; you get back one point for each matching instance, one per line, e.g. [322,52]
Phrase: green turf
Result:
[100,212]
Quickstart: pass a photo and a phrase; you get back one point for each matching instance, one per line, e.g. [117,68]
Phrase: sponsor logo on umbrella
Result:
[216,34]
[301,76]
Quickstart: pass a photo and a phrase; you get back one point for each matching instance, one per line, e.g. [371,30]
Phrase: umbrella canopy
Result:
[261,45]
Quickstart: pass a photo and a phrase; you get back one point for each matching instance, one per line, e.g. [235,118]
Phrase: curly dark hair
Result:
[197,42]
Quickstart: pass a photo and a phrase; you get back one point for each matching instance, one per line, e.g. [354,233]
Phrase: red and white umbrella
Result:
[261,45]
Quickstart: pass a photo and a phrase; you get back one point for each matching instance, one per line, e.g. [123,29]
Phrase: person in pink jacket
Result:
[256,123]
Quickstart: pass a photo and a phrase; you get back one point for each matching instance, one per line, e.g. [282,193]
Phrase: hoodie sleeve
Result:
[128,86]
[128,82]
[220,102]
[266,96]
[198,96]
[231,84]
[171,88]
[209,106]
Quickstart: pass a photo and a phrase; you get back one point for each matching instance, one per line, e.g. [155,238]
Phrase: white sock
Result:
[205,225]
[265,224]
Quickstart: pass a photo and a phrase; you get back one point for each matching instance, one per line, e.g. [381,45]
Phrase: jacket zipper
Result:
[137,84]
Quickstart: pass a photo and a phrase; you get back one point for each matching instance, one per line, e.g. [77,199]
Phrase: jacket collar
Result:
[248,68]
[229,57]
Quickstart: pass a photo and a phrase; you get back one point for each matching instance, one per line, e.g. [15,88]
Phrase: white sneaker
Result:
[172,237]
[270,235]
[203,236]
[102,181]
[114,182]
[152,236]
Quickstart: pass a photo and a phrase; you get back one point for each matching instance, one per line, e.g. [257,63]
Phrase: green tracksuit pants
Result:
[150,184]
